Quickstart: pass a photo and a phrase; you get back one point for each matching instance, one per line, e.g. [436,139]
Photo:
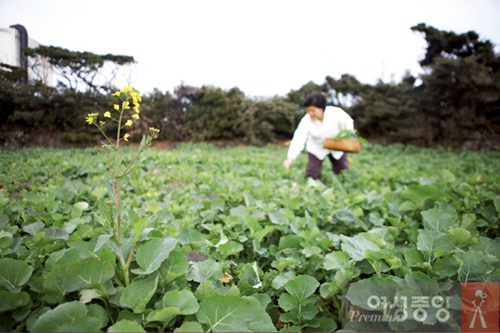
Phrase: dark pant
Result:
[313,168]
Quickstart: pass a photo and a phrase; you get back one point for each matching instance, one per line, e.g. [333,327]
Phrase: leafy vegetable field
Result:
[228,240]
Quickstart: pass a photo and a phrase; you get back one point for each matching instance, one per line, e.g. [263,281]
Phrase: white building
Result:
[13,40]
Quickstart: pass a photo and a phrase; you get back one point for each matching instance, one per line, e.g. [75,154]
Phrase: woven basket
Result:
[346,144]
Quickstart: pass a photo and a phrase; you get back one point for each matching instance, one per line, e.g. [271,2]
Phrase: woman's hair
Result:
[317,99]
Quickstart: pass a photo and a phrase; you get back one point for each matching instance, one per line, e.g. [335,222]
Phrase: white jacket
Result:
[311,133]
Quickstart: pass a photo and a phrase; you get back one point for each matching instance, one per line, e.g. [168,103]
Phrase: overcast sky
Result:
[263,47]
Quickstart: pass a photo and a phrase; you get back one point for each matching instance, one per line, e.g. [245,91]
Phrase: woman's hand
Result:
[287,163]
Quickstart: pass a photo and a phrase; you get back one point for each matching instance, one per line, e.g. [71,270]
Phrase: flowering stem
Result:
[130,99]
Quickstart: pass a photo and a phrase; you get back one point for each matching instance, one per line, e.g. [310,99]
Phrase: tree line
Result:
[456,102]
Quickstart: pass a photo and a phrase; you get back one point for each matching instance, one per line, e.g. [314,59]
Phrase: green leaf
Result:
[137,295]
[10,301]
[288,302]
[345,215]
[435,242]
[34,228]
[67,277]
[302,286]
[281,279]
[461,237]
[126,325]
[358,293]
[67,317]
[56,233]
[419,194]
[473,268]
[204,270]
[189,326]
[336,260]
[151,255]
[496,203]
[234,314]
[439,218]
[14,273]
[6,242]
[174,303]
[446,266]
[357,246]
[191,236]
[279,218]
[82,206]
[174,266]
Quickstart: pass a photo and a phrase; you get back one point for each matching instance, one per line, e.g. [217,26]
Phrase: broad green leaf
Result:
[357,246]
[473,268]
[67,317]
[281,279]
[14,273]
[150,255]
[6,242]
[288,302]
[208,289]
[34,228]
[302,286]
[191,236]
[10,301]
[230,248]
[447,176]
[234,314]
[336,260]
[407,206]
[419,194]
[487,245]
[139,224]
[439,218]
[413,257]
[277,217]
[461,237]
[87,295]
[82,206]
[126,325]
[176,265]
[290,242]
[174,303]
[67,277]
[359,293]
[4,219]
[345,215]
[435,242]
[137,295]
[204,270]
[261,320]
[240,211]
[101,241]
[325,325]
[189,327]
[56,233]
[446,266]
[311,251]
[249,273]
[496,203]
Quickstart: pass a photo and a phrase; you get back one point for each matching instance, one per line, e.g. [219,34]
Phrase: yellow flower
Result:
[154,132]
[126,136]
[126,105]
[116,107]
[117,93]
[107,114]
[91,118]
[135,116]
[136,108]
[129,123]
